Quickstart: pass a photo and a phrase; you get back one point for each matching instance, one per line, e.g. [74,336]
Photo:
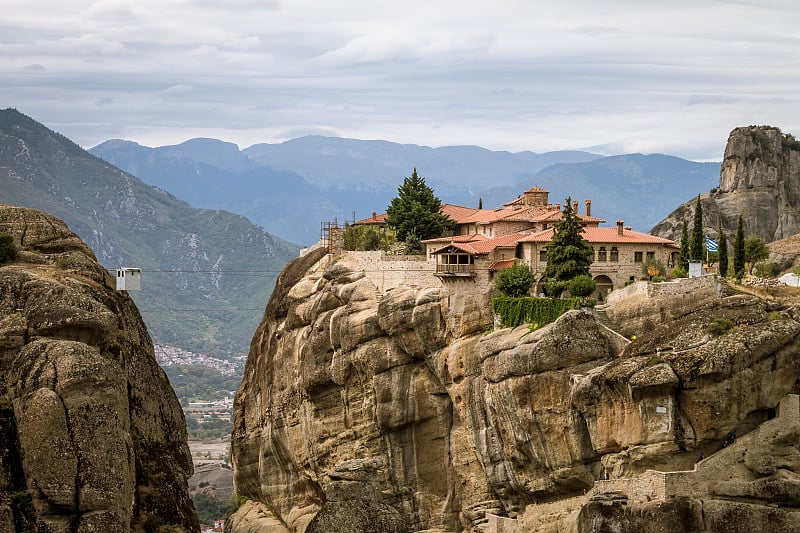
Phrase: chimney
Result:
[588,208]
[620,227]
[374,216]
[558,207]
[575,206]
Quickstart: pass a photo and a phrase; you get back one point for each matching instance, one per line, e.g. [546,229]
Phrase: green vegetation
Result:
[739,250]
[193,383]
[755,250]
[366,238]
[696,245]
[581,286]
[722,252]
[514,281]
[678,272]
[210,508]
[762,269]
[8,252]
[568,254]
[719,327]
[416,211]
[535,311]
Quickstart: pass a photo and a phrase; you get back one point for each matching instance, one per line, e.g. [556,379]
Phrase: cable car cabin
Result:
[129,279]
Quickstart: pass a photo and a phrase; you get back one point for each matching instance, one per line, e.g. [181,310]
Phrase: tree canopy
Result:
[568,254]
[515,281]
[417,211]
[755,250]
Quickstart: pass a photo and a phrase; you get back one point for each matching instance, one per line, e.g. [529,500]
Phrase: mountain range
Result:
[207,274]
[291,187]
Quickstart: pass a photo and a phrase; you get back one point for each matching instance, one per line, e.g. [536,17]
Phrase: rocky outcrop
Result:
[93,436]
[404,400]
[759,179]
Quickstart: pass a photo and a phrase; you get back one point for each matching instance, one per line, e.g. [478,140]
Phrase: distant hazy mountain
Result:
[636,188]
[207,274]
[289,188]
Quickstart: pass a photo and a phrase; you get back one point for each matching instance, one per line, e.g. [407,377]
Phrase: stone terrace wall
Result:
[702,285]
[390,271]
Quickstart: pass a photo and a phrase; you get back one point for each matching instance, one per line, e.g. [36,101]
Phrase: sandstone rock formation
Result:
[93,437]
[408,399]
[759,179]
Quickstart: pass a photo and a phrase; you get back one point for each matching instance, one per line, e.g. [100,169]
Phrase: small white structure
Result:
[129,279]
[790,279]
[695,269]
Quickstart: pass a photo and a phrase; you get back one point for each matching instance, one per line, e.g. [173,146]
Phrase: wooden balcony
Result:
[443,270]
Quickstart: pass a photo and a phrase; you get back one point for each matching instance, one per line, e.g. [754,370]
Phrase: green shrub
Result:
[679,272]
[580,286]
[763,269]
[719,327]
[8,252]
[536,311]
[514,281]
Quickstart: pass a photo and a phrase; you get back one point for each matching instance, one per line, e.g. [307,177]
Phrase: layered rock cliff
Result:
[408,408]
[93,437]
[759,179]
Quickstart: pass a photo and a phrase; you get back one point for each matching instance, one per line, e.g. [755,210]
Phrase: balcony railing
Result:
[455,270]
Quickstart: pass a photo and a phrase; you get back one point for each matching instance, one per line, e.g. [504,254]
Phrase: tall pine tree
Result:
[416,211]
[568,254]
[696,244]
[722,252]
[738,250]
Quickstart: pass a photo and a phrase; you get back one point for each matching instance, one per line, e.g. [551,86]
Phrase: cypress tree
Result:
[696,244]
[722,251]
[683,256]
[480,203]
[738,251]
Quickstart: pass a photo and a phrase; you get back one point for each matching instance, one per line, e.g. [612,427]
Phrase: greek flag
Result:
[711,244]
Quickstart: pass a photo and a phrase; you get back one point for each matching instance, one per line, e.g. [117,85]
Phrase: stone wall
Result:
[390,271]
[699,286]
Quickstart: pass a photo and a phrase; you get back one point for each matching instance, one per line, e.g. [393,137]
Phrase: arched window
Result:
[601,255]
[614,254]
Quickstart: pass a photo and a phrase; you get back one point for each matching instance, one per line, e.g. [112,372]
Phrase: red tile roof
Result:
[605,235]
[375,219]
[501,265]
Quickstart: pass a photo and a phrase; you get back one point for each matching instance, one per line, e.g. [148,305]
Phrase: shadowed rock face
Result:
[408,400]
[93,436]
[759,179]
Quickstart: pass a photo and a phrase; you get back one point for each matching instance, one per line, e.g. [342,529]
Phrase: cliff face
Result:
[759,179]
[93,436]
[360,404]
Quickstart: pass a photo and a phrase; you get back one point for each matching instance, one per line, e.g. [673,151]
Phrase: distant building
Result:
[129,279]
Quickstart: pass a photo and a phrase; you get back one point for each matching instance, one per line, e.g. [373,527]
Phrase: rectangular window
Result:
[637,257]
[651,255]
[543,256]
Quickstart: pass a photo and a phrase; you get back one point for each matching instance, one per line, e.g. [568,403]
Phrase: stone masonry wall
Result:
[701,285]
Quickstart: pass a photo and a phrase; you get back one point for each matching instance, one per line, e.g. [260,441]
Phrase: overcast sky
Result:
[612,76]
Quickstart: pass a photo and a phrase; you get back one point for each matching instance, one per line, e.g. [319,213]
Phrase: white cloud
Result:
[510,74]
